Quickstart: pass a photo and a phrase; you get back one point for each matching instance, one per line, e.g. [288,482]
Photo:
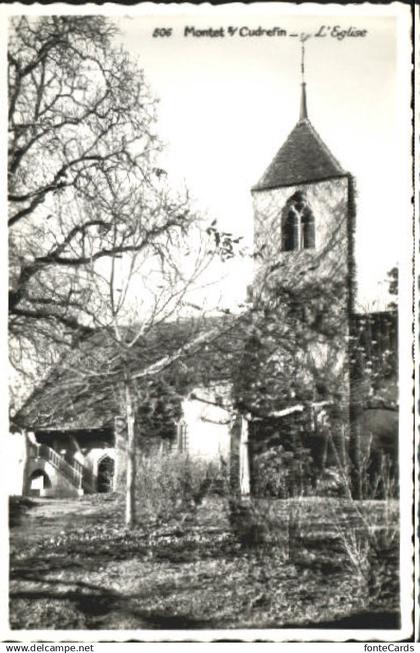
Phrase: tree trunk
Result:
[234,466]
[355,454]
[28,445]
[244,473]
[130,504]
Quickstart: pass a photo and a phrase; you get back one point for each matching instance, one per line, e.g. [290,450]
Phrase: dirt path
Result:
[60,508]
[47,517]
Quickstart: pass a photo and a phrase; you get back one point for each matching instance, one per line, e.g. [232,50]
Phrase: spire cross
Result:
[303,107]
[302,65]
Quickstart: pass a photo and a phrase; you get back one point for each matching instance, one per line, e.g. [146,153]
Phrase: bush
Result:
[331,484]
[170,484]
[371,547]
[372,553]
[267,526]
[283,474]
[377,471]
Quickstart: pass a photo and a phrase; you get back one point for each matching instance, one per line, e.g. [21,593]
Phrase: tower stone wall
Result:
[325,266]
[328,259]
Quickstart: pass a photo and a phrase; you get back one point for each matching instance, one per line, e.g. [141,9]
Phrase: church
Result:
[304,225]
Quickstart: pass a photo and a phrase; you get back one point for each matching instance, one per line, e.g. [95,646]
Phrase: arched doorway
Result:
[105,476]
[38,483]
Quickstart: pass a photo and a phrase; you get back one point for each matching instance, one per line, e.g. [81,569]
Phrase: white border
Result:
[402,12]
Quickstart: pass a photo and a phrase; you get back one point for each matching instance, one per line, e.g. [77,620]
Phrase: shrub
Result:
[173,483]
[266,526]
[371,550]
[377,470]
[371,547]
[281,473]
[331,483]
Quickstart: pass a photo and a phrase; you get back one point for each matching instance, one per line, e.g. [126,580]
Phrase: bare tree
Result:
[147,287]
[81,121]
[143,331]
[102,252]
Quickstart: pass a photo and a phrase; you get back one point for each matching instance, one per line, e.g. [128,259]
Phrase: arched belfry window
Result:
[308,228]
[298,224]
[291,231]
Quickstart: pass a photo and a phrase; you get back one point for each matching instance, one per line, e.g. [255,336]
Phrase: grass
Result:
[73,566]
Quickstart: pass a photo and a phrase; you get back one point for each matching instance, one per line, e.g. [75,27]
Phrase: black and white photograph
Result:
[209,423]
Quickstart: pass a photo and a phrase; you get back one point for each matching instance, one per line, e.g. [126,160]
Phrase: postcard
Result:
[210,330]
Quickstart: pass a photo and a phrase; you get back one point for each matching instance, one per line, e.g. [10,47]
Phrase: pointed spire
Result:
[303,107]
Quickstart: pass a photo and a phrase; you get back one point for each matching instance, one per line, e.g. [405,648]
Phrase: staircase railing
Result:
[73,472]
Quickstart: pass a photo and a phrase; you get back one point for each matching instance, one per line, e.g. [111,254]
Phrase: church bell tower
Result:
[304,214]
[304,239]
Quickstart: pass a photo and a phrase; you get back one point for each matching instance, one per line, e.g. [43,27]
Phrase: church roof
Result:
[303,158]
[82,390]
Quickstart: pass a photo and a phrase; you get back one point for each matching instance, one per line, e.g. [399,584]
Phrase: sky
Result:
[228,103]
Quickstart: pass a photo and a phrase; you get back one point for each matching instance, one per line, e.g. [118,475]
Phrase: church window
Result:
[298,224]
[291,231]
[182,436]
[308,228]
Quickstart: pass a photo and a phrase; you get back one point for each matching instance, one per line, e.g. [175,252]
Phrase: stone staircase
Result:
[80,477]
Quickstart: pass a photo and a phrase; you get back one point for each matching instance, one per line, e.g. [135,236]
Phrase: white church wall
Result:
[93,457]
[207,427]
[16,458]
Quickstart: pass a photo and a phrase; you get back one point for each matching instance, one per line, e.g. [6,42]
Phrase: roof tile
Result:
[302,158]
